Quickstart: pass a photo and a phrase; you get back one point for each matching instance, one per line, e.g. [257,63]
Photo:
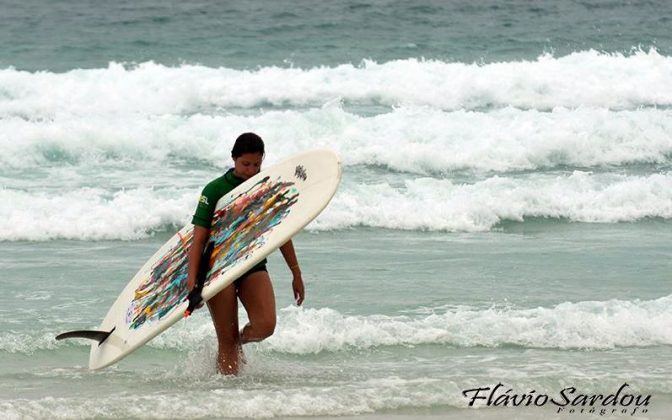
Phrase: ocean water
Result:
[505,213]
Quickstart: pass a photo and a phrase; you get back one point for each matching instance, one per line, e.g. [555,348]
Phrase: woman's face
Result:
[247,165]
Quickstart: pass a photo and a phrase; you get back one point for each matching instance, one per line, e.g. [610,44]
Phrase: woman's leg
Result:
[256,294]
[224,311]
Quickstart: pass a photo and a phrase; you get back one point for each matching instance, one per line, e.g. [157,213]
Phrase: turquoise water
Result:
[504,214]
[254,34]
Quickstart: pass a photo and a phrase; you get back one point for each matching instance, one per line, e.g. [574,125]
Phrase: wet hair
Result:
[247,143]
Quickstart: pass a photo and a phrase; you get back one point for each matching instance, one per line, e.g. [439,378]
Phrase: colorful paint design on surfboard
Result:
[238,228]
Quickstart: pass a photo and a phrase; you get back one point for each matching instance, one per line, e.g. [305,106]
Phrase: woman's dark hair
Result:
[247,143]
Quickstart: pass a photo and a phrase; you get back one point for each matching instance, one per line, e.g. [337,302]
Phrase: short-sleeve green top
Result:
[211,194]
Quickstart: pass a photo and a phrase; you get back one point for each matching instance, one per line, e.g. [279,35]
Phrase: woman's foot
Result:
[228,362]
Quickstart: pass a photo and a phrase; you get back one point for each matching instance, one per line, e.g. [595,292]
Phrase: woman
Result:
[254,288]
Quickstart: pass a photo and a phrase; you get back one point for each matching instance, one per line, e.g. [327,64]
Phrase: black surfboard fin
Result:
[99,336]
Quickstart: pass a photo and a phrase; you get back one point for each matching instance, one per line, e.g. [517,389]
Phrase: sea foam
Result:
[587,78]
[422,203]
[442,205]
[226,400]
[408,139]
[121,152]
[587,325]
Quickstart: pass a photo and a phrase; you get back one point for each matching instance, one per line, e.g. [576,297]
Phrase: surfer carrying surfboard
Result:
[254,288]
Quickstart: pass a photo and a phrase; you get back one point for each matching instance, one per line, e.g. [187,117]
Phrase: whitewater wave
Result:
[587,78]
[441,205]
[587,325]
[416,204]
[91,213]
[409,139]
[583,325]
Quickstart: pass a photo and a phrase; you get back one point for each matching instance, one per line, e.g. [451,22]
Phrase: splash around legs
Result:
[256,294]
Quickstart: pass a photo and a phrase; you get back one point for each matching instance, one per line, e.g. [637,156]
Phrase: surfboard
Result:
[249,223]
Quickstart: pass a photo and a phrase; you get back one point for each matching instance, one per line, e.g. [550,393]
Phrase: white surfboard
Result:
[250,222]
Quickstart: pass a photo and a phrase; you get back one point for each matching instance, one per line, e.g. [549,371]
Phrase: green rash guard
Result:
[211,194]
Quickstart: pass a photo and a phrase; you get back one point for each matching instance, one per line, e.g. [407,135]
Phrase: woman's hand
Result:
[297,285]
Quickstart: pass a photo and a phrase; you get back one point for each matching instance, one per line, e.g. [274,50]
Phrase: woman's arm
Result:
[297,283]
[201,236]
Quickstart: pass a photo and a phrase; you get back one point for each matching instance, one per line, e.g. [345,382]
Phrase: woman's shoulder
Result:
[218,186]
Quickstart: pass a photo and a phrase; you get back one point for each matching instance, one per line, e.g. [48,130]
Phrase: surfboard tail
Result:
[99,336]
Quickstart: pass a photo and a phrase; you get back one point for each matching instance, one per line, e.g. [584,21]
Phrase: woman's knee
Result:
[224,311]
[259,329]
[267,327]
